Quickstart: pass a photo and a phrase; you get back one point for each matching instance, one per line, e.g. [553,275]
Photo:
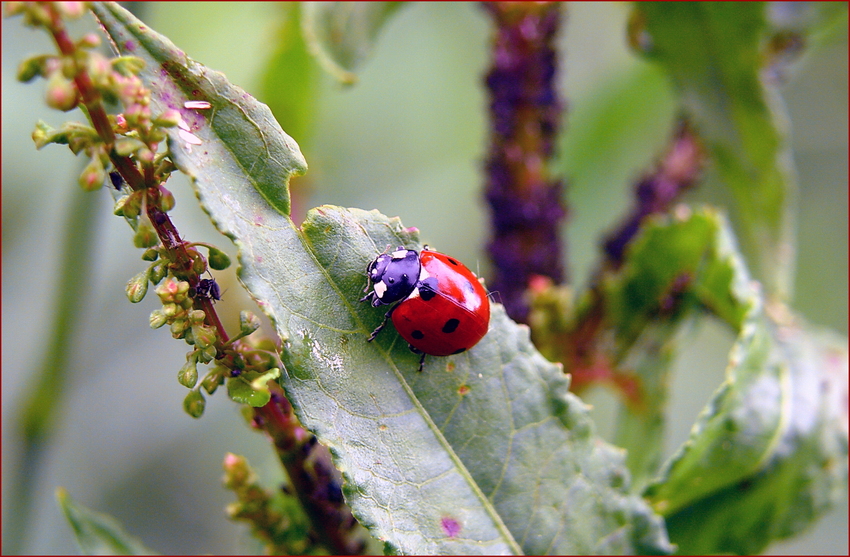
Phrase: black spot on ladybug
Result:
[452,261]
[451,325]
[459,350]
[417,334]
[428,289]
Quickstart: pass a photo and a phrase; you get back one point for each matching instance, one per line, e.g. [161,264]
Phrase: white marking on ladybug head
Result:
[423,274]
[399,254]
[380,289]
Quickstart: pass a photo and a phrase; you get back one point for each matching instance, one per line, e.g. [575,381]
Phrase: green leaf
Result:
[713,53]
[803,474]
[768,454]
[341,35]
[250,388]
[96,533]
[291,77]
[676,267]
[238,135]
[483,452]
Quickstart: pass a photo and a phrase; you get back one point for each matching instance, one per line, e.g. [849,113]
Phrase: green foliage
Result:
[713,52]
[341,34]
[488,451]
[776,420]
[468,450]
[98,534]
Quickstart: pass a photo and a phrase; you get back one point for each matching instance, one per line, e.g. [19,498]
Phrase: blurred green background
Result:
[409,140]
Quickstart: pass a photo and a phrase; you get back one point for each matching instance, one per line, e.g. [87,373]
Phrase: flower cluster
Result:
[526,204]
[124,151]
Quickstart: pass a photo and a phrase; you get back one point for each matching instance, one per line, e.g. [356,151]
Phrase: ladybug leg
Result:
[381,326]
[421,356]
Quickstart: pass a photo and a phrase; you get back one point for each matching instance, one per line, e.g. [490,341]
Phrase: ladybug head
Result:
[393,275]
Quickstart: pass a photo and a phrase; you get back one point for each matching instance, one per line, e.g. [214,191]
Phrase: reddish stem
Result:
[309,469]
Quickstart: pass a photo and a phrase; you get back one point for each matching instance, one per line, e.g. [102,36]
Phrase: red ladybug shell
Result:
[454,319]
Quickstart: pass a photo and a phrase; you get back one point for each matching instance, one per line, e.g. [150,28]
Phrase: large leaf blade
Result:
[768,454]
[484,452]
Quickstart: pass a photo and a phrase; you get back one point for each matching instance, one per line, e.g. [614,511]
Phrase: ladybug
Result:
[438,305]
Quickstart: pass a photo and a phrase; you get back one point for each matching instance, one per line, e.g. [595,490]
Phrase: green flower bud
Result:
[194,404]
[158,319]
[137,287]
[204,336]
[187,303]
[36,15]
[145,155]
[13,8]
[118,208]
[89,40]
[213,381]
[178,328]
[167,290]
[237,473]
[133,205]
[42,134]
[182,289]
[156,135]
[208,354]
[71,10]
[197,316]
[61,93]
[218,260]
[199,264]
[248,322]
[158,272]
[93,175]
[68,66]
[166,199]
[188,374]
[33,67]
[169,310]
[151,254]
[100,70]
[168,119]
[145,236]
[126,146]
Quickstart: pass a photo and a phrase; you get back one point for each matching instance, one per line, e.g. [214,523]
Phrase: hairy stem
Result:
[525,201]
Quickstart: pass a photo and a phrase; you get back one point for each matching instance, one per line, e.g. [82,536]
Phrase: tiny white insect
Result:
[189,138]
[197,105]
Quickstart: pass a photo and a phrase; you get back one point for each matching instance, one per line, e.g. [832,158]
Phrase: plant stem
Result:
[526,203]
[309,469]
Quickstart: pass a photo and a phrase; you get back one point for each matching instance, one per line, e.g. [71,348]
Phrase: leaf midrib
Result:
[459,465]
